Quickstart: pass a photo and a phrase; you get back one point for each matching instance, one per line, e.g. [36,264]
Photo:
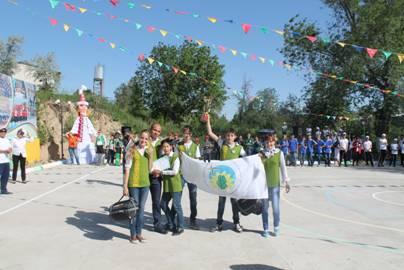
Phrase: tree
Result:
[371,24]
[8,54]
[46,70]
[172,95]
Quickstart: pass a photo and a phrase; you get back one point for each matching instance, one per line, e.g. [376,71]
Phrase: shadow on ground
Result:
[253,267]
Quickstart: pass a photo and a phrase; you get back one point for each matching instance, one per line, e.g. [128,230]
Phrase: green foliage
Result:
[157,92]
[373,24]
[9,52]
[46,70]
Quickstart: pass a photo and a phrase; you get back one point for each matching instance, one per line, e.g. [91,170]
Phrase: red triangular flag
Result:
[253,57]
[222,49]
[311,38]
[53,22]
[246,27]
[188,38]
[371,52]
[102,40]
[151,28]
[114,2]
[141,57]
[175,70]
[70,7]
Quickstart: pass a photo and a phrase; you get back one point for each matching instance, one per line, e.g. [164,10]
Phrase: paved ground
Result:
[334,218]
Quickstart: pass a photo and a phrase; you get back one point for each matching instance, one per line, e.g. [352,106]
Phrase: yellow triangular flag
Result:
[163,32]
[333,76]
[82,10]
[289,67]
[353,82]
[151,60]
[341,44]
[279,32]
[199,42]
[183,72]
[400,57]
[112,45]
[262,59]
[234,52]
[66,27]
[212,20]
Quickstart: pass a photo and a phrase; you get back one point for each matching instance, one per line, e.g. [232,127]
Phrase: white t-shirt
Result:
[5,144]
[367,145]
[383,144]
[394,148]
[19,146]
[343,144]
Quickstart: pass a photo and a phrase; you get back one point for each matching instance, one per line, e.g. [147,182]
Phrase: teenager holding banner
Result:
[275,168]
[228,150]
[192,150]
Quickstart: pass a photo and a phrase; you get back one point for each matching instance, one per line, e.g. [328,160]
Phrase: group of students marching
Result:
[165,186]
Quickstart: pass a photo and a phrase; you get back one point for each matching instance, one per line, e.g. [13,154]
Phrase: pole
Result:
[61,131]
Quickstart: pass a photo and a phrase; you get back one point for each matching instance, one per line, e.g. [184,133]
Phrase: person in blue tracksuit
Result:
[319,150]
[293,143]
[284,146]
[328,143]
[310,150]
[302,150]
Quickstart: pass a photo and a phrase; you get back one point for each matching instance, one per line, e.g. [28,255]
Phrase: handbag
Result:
[123,209]
[249,206]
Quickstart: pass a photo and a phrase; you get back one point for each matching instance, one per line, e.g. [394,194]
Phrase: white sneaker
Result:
[238,228]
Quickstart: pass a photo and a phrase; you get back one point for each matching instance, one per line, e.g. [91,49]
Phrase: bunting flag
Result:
[371,52]
[151,60]
[113,45]
[246,27]
[53,21]
[54,3]
[400,57]
[66,27]
[212,20]
[79,32]
[311,38]
[163,33]
[114,2]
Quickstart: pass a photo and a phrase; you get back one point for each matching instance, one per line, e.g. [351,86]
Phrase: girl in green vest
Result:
[139,161]
[172,189]
[275,168]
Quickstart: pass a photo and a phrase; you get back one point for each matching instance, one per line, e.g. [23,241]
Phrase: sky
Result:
[78,56]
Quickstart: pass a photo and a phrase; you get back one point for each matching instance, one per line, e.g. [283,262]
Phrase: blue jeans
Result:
[310,158]
[4,175]
[155,191]
[273,196]
[140,197]
[220,210]
[292,158]
[73,154]
[175,216]
[192,198]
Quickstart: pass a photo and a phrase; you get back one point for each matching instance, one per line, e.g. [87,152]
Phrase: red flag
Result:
[114,2]
[102,40]
[311,38]
[53,22]
[70,7]
[151,28]
[188,38]
[175,70]
[141,57]
[246,27]
[222,49]
[253,57]
[371,52]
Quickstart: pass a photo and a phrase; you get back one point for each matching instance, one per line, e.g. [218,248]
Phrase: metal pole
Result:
[61,131]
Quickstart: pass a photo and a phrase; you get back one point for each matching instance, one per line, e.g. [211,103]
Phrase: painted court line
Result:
[49,192]
[374,195]
[341,219]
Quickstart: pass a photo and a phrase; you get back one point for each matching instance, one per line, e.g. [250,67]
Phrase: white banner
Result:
[242,178]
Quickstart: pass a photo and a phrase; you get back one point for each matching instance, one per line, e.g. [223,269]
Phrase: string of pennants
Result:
[246,27]
[222,48]
[176,70]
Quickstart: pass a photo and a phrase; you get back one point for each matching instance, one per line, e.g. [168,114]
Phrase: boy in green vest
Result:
[172,189]
[139,161]
[155,180]
[100,142]
[190,148]
[228,150]
[275,167]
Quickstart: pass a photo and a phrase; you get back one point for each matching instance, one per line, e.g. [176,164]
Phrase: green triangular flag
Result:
[98,13]
[195,15]
[243,54]
[192,74]
[123,49]
[54,3]
[387,54]
[138,26]
[326,40]
[264,30]
[79,32]
[131,5]
[160,64]
[272,62]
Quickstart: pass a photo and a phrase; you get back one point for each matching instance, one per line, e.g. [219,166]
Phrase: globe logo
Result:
[222,178]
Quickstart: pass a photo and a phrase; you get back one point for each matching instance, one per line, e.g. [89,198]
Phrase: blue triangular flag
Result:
[79,32]
[138,26]
[243,54]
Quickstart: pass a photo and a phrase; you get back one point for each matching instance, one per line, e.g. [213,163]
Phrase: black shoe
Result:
[194,226]
[217,228]
[6,192]
[168,228]
[24,182]
[160,230]
[178,232]
[13,181]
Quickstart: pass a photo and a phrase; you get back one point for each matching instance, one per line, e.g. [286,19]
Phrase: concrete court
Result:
[334,218]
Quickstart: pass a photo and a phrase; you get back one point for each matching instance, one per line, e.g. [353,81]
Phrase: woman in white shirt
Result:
[383,150]
[19,154]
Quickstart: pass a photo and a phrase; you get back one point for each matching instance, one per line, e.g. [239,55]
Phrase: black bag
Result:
[250,206]
[123,209]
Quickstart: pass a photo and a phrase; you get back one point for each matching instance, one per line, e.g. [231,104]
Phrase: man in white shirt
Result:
[367,145]
[191,149]
[19,154]
[383,150]
[343,149]
[5,150]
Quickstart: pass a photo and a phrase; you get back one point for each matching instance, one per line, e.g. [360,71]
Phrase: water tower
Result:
[98,84]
